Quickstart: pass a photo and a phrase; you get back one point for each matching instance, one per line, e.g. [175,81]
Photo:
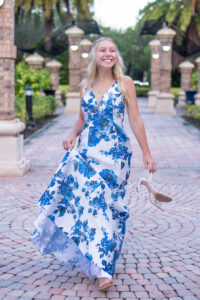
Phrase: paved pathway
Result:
[160,257]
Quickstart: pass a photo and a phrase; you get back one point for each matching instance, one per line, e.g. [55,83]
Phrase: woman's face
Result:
[106,54]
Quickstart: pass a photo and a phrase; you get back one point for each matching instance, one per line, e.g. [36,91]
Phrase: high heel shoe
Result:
[105,283]
[159,197]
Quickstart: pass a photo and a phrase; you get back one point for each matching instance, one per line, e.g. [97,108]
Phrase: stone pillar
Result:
[12,161]
[165,102]
[73,97]
[85,46]
[155,72]
[186,75]
[35,61]
[197,96]
[53,66]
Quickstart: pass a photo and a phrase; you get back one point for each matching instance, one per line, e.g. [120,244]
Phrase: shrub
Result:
[175,91]
[64,88]
[142,91]
[26,76]
[193,111]
[43,106]
[195,78]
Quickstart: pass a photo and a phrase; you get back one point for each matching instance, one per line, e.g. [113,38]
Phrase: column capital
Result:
[53,64]
[197,61]
[166,33]
[186,65]
[74,31]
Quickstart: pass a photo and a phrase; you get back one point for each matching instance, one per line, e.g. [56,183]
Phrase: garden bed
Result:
[28,131]
[191,120]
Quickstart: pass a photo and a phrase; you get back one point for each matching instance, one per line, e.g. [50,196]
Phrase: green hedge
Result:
[193,111]
[64,88]
[142,91]
[175,91]
[43,106]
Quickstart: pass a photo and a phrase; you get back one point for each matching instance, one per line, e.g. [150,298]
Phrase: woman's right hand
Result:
[69,143]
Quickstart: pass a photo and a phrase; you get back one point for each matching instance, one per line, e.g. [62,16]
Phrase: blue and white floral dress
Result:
[83,214]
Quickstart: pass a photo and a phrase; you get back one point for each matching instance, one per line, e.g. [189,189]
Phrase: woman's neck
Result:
[104,75]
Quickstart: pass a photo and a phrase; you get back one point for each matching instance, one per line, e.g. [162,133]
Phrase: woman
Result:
[83,213]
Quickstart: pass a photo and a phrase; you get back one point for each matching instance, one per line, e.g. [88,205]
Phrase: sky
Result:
[118,14]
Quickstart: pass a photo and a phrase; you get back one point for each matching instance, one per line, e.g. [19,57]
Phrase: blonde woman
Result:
[83,213]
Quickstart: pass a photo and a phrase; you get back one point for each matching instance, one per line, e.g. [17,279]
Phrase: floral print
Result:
[82,216]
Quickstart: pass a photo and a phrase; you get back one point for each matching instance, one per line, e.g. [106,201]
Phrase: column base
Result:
[165,104]
[181,99]
[72,102]
[197,99]
[17,169]
[152,98]
[12,161]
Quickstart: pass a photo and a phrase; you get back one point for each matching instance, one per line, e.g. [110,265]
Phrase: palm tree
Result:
[182,13]
[47,7]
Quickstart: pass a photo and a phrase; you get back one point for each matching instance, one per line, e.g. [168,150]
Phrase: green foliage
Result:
[82,8]
[154,10]
[64,89]
[185,18]
[175,91]
[64,70]
[24,76]
[193,111]
[195,79]
[172,12]
[20,109]
[182,13]
[142,91]
[43,106]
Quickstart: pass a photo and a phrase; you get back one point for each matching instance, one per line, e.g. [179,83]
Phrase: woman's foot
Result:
[105,283]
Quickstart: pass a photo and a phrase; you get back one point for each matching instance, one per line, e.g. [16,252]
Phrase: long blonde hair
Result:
[118,68]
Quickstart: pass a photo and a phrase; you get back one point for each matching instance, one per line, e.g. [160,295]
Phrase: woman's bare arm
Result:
[137,125]
[69,142]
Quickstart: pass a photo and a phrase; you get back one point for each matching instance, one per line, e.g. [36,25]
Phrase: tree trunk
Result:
[69,15]
[48,30]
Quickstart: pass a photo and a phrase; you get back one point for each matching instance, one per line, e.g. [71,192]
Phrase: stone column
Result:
[53,66]
[35,61]
[155,72]
[197,96]
[12,161]
[85,46]
[165,102]
[73,97]
[186,68]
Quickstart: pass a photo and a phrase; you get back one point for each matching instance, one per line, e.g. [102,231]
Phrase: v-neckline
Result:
[98,102]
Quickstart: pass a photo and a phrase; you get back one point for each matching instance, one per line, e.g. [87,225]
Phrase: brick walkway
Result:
[160,256]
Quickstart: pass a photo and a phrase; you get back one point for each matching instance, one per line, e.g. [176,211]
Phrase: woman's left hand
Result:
[149,163]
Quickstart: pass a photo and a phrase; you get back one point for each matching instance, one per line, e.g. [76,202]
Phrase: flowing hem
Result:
[52,240]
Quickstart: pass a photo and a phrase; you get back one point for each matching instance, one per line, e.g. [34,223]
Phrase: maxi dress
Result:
[82,215]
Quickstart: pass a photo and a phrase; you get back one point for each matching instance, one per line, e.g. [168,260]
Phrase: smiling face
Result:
[106,54]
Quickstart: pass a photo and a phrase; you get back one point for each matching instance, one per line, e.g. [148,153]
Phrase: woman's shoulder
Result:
[128,81]
[128,84]
[83,86]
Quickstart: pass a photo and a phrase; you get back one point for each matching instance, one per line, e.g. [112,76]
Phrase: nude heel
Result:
[159,197]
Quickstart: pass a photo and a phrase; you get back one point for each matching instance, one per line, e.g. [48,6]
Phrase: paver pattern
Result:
[160,257]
